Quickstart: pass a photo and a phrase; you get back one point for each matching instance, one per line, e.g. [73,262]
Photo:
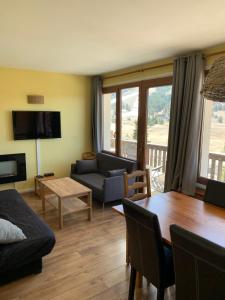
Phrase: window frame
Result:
[110,91]
[143,115]
[143,86]
[201,179]
[117,89]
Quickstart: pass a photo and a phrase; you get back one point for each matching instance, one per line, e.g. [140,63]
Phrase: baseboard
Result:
[13,186]
[24,191]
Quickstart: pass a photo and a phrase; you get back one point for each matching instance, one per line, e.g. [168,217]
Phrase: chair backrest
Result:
[135,183]
[199,266]
[146,252]
[215,193]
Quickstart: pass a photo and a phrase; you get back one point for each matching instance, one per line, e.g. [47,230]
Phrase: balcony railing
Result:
[156,156]
[216,166]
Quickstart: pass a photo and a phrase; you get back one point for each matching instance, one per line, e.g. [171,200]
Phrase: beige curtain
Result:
[96,97]
[185,124]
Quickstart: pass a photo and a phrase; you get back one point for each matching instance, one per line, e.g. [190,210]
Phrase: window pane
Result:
[129,120]
[213,141]
[109,121]
[159,101]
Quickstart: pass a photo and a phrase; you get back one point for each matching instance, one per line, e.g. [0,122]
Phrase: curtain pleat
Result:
[97,126]
[185,124]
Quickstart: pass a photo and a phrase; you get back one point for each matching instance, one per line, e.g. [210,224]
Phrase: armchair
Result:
[104,175]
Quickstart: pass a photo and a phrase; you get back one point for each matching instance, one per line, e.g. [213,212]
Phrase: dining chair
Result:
[215,193]
[148,255]
[199,266]
[135,184]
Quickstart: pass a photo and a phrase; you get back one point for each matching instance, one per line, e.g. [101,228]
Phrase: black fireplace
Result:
[12,168]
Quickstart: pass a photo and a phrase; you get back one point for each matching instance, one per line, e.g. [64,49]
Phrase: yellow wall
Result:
[68,94]
[139,75]
[158,70]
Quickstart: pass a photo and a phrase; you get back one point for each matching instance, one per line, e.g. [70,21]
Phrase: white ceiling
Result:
[97,36]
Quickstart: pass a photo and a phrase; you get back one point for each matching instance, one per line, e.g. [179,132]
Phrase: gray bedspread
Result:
[40,238]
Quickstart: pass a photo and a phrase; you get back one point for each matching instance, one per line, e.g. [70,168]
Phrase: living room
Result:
[92,93]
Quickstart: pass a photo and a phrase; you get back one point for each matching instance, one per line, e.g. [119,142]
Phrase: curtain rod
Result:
[139,70]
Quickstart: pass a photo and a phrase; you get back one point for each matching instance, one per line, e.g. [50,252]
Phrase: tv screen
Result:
[36,125]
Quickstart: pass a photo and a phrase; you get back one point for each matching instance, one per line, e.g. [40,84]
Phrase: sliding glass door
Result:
[158,117]
[213,141]
[129,119]
[136,124]
[109,122]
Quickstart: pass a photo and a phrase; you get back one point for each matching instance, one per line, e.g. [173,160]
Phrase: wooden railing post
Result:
[216,168]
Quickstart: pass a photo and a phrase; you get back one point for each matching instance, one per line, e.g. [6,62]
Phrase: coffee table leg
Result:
[90,206]
[60,213]
[35,185]
[42,194]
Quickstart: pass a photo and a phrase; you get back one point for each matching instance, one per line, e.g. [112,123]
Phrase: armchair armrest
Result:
[113,188]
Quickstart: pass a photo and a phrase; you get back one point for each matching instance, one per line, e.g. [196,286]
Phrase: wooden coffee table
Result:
[38,181]
[70,197]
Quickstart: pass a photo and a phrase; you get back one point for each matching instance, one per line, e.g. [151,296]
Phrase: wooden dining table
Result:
[197,216]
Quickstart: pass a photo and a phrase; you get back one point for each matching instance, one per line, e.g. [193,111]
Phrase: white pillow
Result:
[10,233]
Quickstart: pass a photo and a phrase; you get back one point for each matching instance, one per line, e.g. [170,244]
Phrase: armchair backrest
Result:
[107,162]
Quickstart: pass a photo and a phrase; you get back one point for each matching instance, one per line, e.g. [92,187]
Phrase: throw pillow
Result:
[86,166]
[117,172]
[10,233]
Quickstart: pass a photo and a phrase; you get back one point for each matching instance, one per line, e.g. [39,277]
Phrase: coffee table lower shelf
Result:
[70,205]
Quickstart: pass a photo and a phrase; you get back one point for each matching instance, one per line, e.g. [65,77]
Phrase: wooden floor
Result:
[88,261]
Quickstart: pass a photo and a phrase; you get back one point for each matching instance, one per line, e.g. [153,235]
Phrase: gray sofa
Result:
[103,175]
[23,258]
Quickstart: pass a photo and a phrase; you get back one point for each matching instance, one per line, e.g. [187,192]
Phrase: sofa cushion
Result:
[108,162]
[94,181]
[10,233]
[86,166]
[117,172]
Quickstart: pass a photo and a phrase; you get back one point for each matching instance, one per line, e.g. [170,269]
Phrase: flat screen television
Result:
[36,125]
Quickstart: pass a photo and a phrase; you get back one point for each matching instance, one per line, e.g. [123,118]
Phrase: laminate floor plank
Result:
[88,261]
